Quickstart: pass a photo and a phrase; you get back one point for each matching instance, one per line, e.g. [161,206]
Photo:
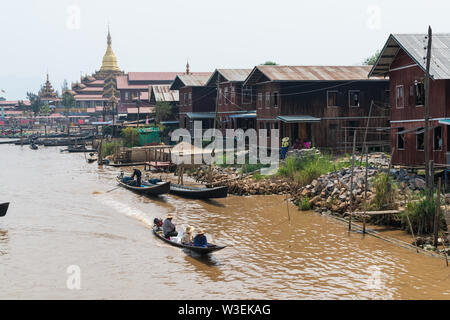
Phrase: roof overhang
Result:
[201,115]
[298,119]
[250,115]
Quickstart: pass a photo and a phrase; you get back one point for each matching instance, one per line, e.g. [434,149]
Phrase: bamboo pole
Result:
[438,214]
[365,190]
[351,183]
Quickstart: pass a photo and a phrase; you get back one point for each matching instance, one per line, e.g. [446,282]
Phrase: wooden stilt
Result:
[438,215]
[351,183]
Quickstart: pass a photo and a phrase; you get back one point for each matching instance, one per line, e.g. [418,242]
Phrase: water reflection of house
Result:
[236,106]
[402,59]
[325,105]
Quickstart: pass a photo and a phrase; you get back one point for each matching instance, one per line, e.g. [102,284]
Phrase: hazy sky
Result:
[69,37]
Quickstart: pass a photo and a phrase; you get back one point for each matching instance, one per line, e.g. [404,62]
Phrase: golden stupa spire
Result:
[109,59]
[187,67]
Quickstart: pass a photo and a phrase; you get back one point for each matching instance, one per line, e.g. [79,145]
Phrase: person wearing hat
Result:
[169,228]
[200,239]
[284,147]
[138,174]
[188,237]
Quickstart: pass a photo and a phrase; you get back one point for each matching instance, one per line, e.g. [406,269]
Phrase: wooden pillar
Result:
[437,216]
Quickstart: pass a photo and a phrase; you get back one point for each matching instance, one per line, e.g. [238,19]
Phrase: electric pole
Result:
[429,183]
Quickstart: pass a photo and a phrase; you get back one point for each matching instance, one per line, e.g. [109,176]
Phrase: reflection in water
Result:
[64,216]
[4,240]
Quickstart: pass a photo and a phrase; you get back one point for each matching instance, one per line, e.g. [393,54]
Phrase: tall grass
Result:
[421,213]
[305,170]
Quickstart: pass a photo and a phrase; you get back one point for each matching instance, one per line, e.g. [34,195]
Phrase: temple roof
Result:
[47,90]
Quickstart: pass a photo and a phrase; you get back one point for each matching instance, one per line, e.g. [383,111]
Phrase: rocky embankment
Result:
[331,192]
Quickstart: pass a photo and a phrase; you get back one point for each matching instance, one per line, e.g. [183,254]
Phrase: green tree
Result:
[35,101]
[45,109]
[270,63]
[130,137]
[163,111]
[370,61]
[68,101]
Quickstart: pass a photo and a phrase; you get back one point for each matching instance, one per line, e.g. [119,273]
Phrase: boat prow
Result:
[3,209]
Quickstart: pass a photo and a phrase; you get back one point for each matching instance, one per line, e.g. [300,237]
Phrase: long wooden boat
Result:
[200,250]
[199,193]
[3,209]
[148,189]
[78,150]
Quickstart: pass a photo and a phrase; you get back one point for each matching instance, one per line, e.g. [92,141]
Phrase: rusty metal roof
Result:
[229,75]
[163,93]
[152,76]
[308,73]
[415,46]
[190,80]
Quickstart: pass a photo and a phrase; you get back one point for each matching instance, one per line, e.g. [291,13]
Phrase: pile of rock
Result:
[413,182]
[231,177]
[249,186]
[332,191]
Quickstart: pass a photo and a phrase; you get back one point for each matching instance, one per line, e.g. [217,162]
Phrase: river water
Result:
[61,215]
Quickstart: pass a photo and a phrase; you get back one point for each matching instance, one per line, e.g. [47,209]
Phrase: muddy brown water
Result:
[61,215]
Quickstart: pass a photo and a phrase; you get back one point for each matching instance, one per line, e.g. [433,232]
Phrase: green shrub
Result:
[385,189]
[305,170]
[421,214]
[304,204]
[130,137]
[108,148]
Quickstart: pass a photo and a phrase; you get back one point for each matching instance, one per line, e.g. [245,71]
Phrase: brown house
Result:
[197,101]
[322,105]
[162,93]
[135,86]
[402,59]
[236,106]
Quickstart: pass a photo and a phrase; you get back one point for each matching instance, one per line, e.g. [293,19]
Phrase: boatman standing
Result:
[138,174]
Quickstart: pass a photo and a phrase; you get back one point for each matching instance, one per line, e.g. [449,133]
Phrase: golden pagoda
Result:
[109,59]
[109,64]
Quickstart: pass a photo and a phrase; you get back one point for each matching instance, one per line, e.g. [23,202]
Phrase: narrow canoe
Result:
[3,209]
[199,193]
[200,250]
[149,189]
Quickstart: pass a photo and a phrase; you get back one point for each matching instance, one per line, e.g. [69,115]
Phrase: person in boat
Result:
[138,174]
[188,237]
[169,229]
[200,239]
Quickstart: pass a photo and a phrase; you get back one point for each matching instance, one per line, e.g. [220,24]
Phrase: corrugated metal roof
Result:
[228,75]
[164,94]
[152,76]
[298,119]
[190,80]
[415,46]
[201,115]
[308,73]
